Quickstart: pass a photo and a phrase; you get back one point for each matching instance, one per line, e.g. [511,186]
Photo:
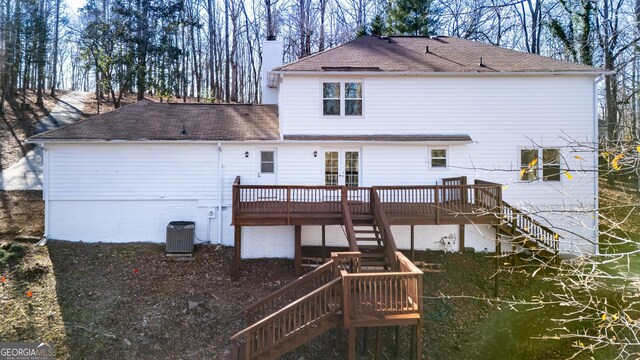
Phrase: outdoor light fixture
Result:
[315,154]
[246,154]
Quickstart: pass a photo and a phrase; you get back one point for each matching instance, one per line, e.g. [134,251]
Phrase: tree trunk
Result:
[54,70]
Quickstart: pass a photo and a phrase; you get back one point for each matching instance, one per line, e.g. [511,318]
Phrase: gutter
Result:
[236,142]
[439,74]
[596,139]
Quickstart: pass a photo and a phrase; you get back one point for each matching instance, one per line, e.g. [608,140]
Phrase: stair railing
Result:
[348,221]
[285,323]
[380,217]
[525,224]
[291,292]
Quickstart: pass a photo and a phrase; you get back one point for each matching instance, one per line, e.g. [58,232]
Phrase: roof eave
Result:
[593,73]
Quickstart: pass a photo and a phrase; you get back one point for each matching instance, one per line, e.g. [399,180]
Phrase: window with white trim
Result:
[267,162]
[541,163]
[331,98]
[438,158]
[342,98]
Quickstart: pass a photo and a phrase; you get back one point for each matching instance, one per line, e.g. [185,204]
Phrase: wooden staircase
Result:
[528,233]
[344,293]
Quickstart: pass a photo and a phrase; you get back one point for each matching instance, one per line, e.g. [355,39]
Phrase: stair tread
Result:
[371,255]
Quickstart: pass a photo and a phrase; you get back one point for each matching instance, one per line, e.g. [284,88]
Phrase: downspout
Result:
[220,194]
[596,139]
[45,189]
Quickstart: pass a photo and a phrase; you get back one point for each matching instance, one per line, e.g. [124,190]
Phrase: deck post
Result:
[352,343]
[413,233]
[397,338]
[237,243]
[365,335]
[298,249]
[324,243]
[436,200]
[498,256]
[461,238]
[418,342]
[339,334]
[412,344]
[378,342]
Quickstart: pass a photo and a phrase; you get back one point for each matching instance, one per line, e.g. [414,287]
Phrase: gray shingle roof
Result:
[445,54]
[394,138]
[148,120]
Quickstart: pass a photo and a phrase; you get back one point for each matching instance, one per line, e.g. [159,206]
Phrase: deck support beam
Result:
[498,258]
[237,253]
[461,238]
[324,243]
[418,342]
[352,343]
[413,237]
[298,250]
[378,343]
[397,339]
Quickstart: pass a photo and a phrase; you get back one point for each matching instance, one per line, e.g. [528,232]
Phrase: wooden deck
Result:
[255,205]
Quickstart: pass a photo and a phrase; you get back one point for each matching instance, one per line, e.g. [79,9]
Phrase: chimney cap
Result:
[271,37]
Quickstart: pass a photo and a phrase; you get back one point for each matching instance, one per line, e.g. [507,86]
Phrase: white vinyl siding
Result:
[119,171]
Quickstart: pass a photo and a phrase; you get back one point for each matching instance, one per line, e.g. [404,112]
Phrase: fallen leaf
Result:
[29,294]
[135,270]
[3,279]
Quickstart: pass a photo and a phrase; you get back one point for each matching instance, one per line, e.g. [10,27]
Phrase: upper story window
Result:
[331,98]
[540,163]
[342,98]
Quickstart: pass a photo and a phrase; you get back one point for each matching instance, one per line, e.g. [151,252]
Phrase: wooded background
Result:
[210,49]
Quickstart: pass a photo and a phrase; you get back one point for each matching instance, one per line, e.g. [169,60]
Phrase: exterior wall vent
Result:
[180,236]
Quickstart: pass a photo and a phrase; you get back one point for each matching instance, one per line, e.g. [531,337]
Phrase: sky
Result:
[74,5]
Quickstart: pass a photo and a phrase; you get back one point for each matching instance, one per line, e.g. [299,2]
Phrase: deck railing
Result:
[531,228]
[383,293]
[381,220]
[455,197]
[299,315]
[438,200]
[291,292]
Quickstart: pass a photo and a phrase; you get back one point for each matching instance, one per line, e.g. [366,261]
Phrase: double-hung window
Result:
[536,164]
[331,98]
[438,158]
[342,98]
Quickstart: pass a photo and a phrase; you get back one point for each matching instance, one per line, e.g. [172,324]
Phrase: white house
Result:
[376,111]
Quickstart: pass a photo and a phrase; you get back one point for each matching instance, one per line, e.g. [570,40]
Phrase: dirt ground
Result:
[21,214]
[17,125]
[127,301]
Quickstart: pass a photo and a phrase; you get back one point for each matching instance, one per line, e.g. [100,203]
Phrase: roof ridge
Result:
[318,53]
[590,67]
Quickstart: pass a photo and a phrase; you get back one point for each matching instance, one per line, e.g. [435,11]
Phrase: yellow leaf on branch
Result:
[569,176]
[615,163]
[579,157]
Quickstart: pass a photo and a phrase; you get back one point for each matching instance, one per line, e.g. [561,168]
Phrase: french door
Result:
[342,167]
